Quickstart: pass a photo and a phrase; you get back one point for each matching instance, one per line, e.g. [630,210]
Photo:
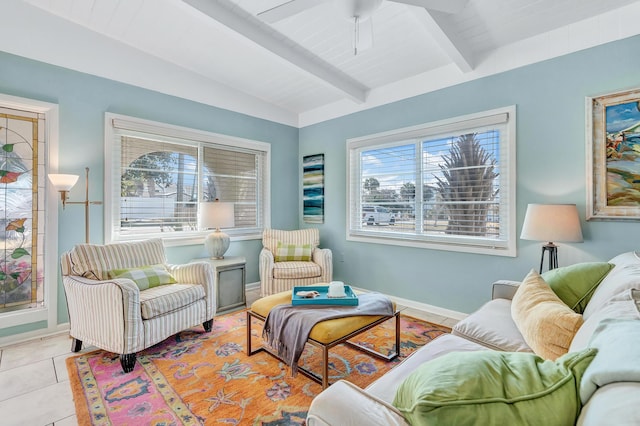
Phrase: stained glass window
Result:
[21,217]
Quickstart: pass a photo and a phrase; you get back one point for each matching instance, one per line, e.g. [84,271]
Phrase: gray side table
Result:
[229,276]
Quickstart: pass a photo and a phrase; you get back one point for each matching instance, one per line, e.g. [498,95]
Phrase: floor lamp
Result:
[63,184]
[551,222]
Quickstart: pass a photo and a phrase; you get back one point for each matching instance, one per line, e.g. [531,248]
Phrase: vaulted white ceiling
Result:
[302,69]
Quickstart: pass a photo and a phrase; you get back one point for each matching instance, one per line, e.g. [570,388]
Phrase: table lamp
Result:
[551,222]
[217,215]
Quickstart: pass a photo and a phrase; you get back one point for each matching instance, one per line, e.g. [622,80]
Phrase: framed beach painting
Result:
[313,188]
[613,156]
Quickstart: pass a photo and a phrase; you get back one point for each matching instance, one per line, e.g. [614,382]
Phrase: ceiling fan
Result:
[358,11]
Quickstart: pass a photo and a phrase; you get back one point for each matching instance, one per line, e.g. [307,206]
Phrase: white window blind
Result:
[160,174]
[448,185]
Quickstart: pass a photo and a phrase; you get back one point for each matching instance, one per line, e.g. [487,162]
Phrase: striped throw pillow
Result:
[293,253]
[145,277]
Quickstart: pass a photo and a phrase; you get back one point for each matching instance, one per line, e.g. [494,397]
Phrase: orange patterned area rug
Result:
[196,378]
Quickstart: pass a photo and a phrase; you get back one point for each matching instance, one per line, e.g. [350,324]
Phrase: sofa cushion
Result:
[624,276]
[470,388]
[546,323]
[94,261]
[575,284]
[493,327]
[293,252]
[347,404]
[624,306]
[271,237]
[618,345]
[296,270]
[385,387]
[146,276]
[167,298]
[616,404]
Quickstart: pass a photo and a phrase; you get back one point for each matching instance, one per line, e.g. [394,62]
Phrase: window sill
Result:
[457,247]
[189,240]
[25,316]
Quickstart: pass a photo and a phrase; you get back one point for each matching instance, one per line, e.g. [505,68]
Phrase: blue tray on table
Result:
[351,299]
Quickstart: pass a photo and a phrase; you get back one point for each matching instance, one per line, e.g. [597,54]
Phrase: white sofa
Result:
[492,328]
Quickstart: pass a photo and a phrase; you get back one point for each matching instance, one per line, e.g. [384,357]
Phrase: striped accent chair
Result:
[115,315]
[277,276]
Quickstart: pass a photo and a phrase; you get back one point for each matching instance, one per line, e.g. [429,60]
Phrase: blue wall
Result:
[83,99]
[550,166]
[550,99]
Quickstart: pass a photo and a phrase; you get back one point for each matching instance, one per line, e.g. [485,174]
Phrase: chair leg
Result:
[76,345]
[208,325]
[127,361]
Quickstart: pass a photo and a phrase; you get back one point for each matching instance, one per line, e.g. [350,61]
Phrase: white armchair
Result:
[277,276]
[114,314]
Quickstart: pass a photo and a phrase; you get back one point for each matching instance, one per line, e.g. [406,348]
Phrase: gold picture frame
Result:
[613,156]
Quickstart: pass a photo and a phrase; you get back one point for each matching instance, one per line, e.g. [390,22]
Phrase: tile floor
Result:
[34,385]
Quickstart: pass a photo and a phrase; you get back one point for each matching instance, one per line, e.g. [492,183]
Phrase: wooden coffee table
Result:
[325,334]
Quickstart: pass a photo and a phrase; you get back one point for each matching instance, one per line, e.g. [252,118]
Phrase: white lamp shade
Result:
[216,215]
[63,182]
[552,222]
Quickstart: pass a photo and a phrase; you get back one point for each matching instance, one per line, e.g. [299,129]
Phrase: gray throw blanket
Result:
[287,327]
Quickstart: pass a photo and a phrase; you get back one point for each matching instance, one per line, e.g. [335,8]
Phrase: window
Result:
[160,174]
[448,185]
[28,279]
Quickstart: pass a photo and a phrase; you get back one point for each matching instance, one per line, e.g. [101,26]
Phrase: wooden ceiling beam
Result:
[247,25]
[435,24]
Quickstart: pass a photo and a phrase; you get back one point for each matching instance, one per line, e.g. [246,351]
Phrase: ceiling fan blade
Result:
[447,6]
[290,8]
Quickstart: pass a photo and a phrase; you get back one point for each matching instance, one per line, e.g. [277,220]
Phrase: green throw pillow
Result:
[494,388]
[146,276]
[293,253]
[575,284]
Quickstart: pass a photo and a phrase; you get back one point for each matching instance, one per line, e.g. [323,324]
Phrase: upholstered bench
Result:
[325,334]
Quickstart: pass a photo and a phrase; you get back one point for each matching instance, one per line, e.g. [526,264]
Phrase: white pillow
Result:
[624,276]
[621,306]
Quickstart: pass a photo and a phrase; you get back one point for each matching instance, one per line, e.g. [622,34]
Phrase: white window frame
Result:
[49,312]
[147,127]
[463,124]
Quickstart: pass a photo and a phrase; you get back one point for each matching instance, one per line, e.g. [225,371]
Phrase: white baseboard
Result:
[64,328]
[252,286]
[35,335]
[436,310]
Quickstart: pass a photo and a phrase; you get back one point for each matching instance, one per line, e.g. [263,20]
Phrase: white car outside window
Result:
[377,215]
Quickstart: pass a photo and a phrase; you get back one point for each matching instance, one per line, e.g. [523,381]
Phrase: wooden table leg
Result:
[248,333]
[325,367]
[397,334]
